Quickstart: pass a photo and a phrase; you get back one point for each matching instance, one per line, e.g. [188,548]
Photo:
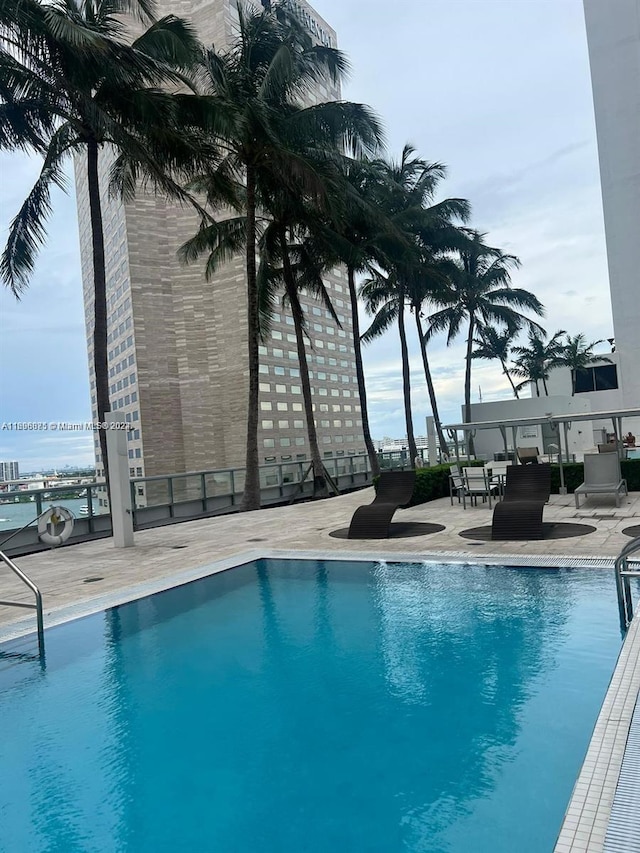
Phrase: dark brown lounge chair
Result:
[395,489]
[519,514]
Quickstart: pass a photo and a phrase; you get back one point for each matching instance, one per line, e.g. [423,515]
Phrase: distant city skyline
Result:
[530,172]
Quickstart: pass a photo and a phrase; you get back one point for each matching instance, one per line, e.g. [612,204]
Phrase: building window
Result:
[268,442]
[283,424]
[267,424]
[282,407]
[296,407]
[265,386]
[266,407]
[601,378]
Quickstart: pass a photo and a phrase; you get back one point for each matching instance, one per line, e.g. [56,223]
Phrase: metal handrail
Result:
[623,587]
[38,595]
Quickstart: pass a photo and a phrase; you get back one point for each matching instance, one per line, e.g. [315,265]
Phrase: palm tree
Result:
[478,292]
[535,361]
[578,355]
[289,264]
[352,238]
[493,345]
[74,82]
[259,85]
[403,258]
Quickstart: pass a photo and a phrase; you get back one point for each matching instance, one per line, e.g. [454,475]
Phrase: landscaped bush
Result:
[573,476]
[433,483]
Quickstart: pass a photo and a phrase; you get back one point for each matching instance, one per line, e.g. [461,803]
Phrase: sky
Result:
[498,90]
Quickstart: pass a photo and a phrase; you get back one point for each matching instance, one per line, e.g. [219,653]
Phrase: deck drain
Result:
[256,540]
[92,580]
[175,547]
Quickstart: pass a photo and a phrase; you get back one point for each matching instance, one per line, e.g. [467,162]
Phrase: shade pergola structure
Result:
[554,421]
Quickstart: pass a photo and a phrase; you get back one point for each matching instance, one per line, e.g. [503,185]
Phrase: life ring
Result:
[52,517]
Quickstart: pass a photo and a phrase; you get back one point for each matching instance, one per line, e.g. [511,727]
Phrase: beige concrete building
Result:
[177,344]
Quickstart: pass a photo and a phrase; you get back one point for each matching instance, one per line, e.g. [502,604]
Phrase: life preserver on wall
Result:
[48,522]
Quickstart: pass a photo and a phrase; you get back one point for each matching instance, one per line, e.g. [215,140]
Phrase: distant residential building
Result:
[177,348]
[9,471]
[388,445]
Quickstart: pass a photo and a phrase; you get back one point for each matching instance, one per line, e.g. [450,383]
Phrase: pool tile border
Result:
[586,820]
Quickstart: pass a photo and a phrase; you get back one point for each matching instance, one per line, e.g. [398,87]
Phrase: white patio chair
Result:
[602,476]
[478,484]
[457,486]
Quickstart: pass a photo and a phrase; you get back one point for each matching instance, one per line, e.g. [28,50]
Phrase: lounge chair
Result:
[528,455]
[519,514]
[601,477]
[395,489]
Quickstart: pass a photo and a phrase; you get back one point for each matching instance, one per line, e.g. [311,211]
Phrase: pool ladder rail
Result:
[38,596]
[623,573]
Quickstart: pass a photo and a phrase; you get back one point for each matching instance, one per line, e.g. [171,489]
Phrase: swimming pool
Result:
[312,706]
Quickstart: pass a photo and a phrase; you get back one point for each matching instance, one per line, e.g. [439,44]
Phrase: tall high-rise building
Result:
[177,343]
[613,33]
[9,471]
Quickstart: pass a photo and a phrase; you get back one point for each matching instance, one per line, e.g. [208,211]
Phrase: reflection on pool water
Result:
[288,705]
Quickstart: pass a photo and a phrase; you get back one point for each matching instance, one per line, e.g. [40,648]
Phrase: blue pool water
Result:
[283,707]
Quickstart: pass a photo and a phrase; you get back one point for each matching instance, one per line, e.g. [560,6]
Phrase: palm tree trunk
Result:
[406,382]
[100,346]
[444,447]
[319,480]
[537,388]
[508,375]
[362,391]
[467,384]
[251,496]
[544,385]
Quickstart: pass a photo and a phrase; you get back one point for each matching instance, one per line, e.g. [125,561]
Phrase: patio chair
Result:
[528,455]
[477,482]
[519,514]
[601,477]
[457,485]
[395,489]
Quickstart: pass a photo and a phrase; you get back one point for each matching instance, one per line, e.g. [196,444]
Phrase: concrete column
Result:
[119,487]
[431,441]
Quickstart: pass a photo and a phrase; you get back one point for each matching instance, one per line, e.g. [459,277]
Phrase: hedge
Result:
[433,483]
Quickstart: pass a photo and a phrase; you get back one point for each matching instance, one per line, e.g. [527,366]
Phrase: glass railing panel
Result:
[218,483]
[152,493]
[187,488]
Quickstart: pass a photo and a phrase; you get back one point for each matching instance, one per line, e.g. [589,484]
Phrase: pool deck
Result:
[93,575]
